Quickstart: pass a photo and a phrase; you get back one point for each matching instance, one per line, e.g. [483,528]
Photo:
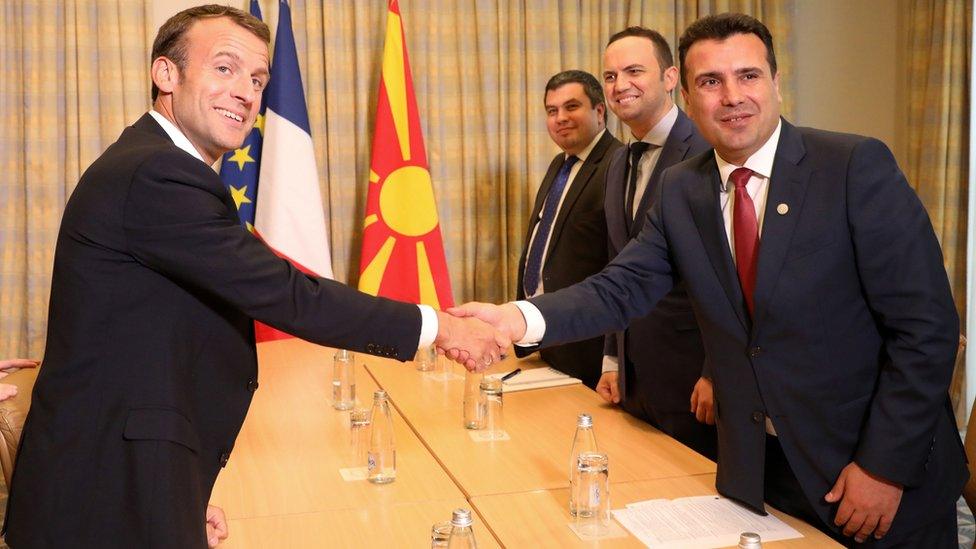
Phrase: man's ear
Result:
[165,74]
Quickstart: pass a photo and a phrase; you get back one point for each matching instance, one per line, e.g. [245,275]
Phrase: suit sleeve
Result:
[901,270]
[176,222]
[627,289]
[610,345]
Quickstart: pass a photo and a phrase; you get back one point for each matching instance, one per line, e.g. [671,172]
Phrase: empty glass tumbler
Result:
[343,380]
[472,396]
[359,420]
[440,535]
[426,359]
[592,495]
[490,405]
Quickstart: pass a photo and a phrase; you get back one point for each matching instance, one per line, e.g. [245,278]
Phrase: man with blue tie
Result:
[825,309]
[567,234]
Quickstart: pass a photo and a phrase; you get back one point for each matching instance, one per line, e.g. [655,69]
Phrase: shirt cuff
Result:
[535,324]
[610,364]
[428,326]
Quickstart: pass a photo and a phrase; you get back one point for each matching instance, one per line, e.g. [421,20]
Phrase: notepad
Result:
[697,522]
[535,378]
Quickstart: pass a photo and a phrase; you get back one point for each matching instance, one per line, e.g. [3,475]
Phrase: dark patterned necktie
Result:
[637,150]
[533,263]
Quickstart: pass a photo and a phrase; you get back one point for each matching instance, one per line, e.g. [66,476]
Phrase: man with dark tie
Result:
[825,309]
[567,234]
[654,367]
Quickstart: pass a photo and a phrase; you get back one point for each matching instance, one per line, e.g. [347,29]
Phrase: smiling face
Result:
[638,90]
[732,95]
[571,119]
[215,100]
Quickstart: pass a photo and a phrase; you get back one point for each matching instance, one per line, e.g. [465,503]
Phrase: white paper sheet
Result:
[535,378]
[697,522]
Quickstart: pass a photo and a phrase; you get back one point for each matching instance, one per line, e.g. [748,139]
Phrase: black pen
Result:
[511,374]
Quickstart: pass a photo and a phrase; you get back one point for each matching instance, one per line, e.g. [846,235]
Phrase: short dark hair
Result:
[662,50]
[591,86]
[170,41]
[720,27]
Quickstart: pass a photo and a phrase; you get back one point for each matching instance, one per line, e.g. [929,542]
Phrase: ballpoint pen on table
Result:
[511,374]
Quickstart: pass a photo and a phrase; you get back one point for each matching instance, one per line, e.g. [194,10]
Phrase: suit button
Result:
[754,352]
[252,385]
[757,417]
[370,348]
[224,458]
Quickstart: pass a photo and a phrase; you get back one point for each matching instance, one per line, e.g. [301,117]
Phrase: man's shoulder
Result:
[604,149]
[140,143]
[819,142]
[141,154]
[698,165]
[821,136]
[685,130]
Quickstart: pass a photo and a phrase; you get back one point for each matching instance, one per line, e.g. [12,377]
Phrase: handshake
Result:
[476,335]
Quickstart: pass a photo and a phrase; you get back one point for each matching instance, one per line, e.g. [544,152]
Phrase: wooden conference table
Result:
[282,486]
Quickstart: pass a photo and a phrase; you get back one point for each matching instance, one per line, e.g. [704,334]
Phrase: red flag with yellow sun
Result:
[403,254]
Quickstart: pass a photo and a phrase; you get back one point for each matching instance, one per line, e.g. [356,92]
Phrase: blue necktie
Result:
[533,264]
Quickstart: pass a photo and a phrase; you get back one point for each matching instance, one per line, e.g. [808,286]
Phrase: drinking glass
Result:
[490,405]
[359,420]
[426,359]
[592,495]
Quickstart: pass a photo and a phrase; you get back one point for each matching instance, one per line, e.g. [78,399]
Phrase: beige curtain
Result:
[479,69]
[939,35]
[73,73]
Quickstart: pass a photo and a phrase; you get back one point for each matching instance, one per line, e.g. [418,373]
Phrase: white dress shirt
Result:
[429,324]
[657,137]
[582,155]
[761,164]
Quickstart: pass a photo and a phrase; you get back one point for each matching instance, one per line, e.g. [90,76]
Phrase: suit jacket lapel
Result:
[615,192]
[787,185]
[708,218]
[674,150]
[577,185]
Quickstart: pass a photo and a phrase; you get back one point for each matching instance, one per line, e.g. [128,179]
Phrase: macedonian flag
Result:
[403,254]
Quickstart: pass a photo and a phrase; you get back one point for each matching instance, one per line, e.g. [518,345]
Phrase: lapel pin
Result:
[782,209]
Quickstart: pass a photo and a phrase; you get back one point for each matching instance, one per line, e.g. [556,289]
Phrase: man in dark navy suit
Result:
[824,306]
[654,367]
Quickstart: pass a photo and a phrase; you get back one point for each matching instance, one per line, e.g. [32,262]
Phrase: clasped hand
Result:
[476,335]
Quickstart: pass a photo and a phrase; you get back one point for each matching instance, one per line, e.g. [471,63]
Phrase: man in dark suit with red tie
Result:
[654,367]
[824,306]
[566,240]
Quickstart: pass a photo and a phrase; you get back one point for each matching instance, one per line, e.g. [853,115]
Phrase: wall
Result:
[846,61]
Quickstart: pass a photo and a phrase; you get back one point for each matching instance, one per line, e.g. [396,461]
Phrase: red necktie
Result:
[745,232]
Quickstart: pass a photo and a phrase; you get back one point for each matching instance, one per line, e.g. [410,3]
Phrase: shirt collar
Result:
[658,135]
[761,161]
[176,135]
[586,152]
